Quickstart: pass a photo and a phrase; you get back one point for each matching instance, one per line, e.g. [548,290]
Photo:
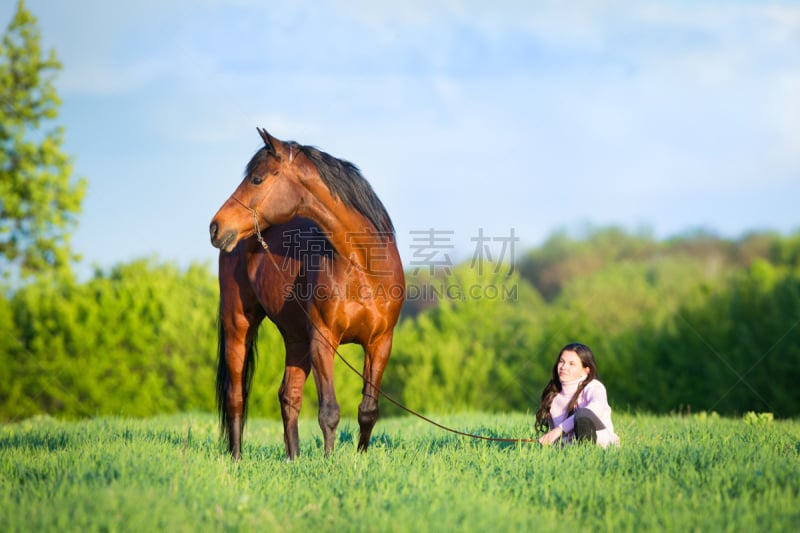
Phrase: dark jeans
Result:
[587,424]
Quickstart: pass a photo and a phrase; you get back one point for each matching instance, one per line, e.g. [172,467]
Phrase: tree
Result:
[39,201]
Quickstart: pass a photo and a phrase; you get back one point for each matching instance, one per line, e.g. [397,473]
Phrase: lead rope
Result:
[264,245]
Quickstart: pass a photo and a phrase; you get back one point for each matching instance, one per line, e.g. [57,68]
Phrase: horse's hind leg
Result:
[290,394]
[376,355]
[322,350]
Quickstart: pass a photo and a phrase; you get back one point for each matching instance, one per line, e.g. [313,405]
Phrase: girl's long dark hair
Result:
[544,421]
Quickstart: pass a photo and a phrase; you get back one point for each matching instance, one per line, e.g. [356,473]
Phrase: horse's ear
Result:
[267,138]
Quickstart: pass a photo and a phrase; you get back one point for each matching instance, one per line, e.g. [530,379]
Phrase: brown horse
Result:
[304,241]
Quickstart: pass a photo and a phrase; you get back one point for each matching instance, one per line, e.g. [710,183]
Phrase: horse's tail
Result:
[224,379]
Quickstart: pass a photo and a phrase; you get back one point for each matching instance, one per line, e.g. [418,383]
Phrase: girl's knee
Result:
[587,424]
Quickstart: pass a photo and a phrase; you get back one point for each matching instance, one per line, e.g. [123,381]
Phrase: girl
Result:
[574,403]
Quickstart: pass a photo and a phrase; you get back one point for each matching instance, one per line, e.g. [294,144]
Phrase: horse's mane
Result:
[345,181]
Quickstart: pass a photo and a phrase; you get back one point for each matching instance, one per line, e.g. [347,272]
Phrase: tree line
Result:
[693,323]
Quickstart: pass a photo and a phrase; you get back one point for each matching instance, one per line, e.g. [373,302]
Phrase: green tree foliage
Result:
[39,201]
[138,340]
[563,257]
[473,348]
[737,349]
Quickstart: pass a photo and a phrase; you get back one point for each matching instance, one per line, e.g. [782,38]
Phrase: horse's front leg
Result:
[231,393]
[290,394]
[239,317]
[322,352]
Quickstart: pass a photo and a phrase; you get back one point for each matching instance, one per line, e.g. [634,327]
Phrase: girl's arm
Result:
[594,397]
[551,436]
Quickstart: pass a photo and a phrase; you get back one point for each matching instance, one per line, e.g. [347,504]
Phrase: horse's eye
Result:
[257,180]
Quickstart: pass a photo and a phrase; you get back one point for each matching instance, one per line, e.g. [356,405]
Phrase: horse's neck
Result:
[342,226]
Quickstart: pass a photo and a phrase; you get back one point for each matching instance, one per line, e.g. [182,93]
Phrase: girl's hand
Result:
[551,436]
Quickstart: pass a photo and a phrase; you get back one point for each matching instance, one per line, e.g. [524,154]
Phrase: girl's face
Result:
[570,367]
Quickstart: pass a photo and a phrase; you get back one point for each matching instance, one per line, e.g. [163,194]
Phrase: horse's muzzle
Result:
[225,241]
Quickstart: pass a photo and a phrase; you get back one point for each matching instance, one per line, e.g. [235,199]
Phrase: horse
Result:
[304,241]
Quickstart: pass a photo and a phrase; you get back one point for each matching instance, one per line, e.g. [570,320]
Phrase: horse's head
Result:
[269,194]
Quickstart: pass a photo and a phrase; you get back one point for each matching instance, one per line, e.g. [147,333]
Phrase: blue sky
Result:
[465,116]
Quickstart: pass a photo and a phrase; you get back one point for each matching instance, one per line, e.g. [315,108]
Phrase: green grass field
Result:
[688,473]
